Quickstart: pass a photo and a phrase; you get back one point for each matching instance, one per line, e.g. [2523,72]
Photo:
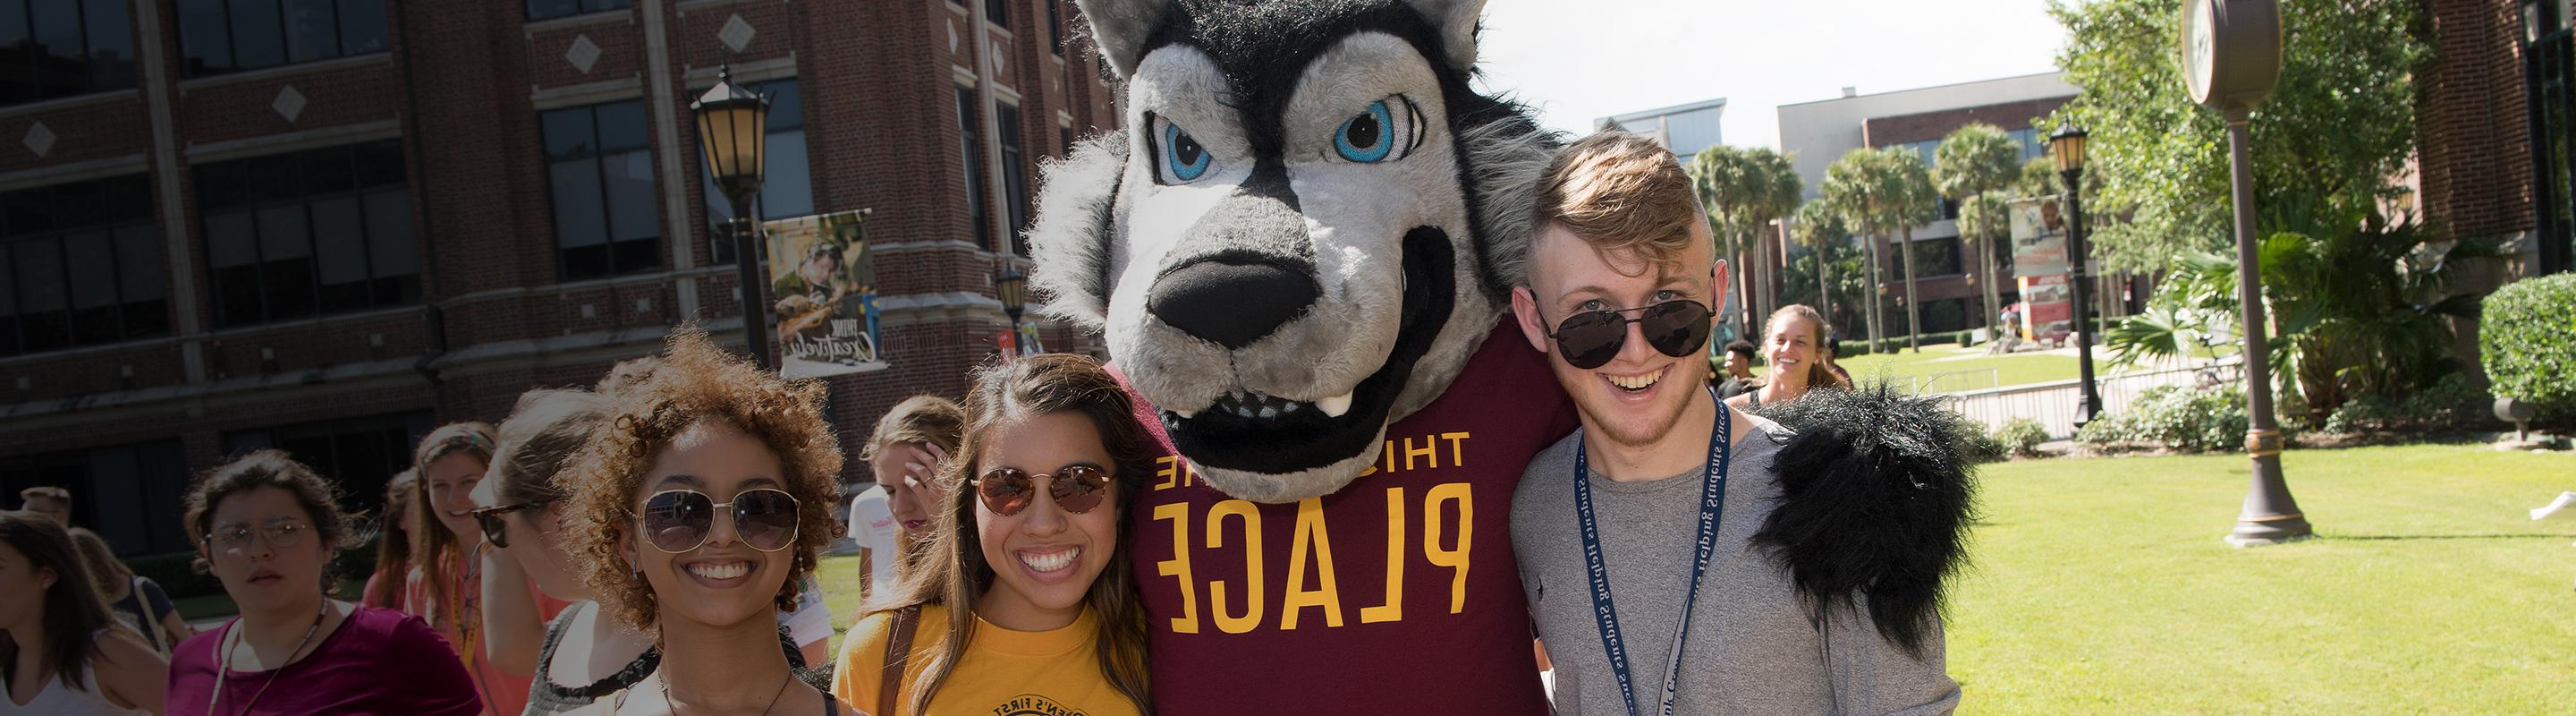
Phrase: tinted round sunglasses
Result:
[677,521]
[1075,488]
[1590,339]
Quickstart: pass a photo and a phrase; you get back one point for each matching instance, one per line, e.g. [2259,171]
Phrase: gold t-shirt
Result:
[1002,673]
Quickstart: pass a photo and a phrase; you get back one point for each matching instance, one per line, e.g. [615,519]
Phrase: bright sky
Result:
[1580,61]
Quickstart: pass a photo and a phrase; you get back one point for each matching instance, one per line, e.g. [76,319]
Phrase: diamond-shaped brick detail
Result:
[289,103]
[736,33]
[583,54]
[1001,60]
[40,139]
[952,37]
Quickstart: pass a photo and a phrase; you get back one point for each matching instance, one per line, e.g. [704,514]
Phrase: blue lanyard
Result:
[1712,505]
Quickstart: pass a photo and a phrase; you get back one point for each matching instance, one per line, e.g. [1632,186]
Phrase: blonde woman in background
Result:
[445,585]
[136,601]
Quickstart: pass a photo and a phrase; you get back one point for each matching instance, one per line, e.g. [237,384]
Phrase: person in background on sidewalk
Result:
[1737,378]
[1795,338]
[135,601]
[266,527]
[384,587]
[1027,596]
[697,507]
[49,501]
[446,581]
[1662,494]
[905,452]
[61,652]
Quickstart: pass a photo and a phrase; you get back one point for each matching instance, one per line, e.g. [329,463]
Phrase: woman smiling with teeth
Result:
[1027,602]
[697,509]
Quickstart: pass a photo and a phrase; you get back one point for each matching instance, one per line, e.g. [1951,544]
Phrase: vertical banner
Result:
[822,293]
[2040,267]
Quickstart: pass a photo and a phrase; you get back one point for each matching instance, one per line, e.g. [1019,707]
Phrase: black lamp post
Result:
[1012,288]
[2067,147]
[733,126]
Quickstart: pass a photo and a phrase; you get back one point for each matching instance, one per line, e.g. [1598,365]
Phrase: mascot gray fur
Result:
[1309,227]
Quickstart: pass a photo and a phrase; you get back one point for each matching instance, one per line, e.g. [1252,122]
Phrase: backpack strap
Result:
[898,651]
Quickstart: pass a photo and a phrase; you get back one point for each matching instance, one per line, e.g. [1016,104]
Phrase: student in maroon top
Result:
[266,526]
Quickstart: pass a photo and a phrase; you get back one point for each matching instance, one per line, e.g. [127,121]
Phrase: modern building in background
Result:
[1947,276]
[330,225]
[1685,129]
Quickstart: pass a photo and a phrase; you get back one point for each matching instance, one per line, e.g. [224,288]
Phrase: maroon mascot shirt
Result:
[1397,594]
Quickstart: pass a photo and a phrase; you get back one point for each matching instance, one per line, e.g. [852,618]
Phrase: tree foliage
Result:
[1876,191]
[1974,166]
[1744,190]
[2340,124]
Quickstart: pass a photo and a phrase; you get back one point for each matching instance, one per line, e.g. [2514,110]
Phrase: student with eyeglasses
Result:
[1024,603]
[696,508]
[266,526]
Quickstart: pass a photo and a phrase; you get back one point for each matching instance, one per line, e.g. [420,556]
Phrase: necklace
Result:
[224,665]
[665,683]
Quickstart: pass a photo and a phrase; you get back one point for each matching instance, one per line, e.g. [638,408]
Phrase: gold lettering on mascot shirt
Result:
[1444,513]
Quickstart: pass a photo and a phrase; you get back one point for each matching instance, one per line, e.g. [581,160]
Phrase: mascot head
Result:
[1307,227]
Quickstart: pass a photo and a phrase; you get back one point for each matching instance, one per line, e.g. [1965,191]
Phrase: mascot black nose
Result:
[1231,303]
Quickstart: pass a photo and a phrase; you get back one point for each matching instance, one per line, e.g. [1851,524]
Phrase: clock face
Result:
[2199,48]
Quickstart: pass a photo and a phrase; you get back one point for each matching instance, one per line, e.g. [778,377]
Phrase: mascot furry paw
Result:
[1299,252]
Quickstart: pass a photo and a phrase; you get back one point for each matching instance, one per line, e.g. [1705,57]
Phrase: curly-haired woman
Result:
[696,511]
[1029,603]
[266,526]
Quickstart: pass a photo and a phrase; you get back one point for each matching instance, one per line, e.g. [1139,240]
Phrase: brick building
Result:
[330,225]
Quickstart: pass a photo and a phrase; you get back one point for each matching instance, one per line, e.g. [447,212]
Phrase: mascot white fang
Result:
[1300,252]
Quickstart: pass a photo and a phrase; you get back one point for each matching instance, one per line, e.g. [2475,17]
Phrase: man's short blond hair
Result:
[1624,194]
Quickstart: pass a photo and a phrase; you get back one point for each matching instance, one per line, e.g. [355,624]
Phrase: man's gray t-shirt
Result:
[1752,648]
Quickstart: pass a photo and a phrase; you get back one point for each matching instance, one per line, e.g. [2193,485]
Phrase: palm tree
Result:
[1854,191]
[1878,189]
[1910,201]
[1819,225]
[1970,163]
[1745,190]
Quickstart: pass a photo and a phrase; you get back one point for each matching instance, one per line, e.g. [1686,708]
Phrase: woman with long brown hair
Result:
[1026,595]
[393,544]
[1793,341]
[445,585]
[136,601]
[60,651]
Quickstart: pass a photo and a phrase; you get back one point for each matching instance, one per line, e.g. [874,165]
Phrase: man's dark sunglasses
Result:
[1591,339]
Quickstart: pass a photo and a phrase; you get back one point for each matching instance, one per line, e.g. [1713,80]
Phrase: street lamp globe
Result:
[732,128]
[1012,288]
[2066,147]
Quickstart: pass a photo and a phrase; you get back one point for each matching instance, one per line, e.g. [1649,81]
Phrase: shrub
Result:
[2452,402]
[2021,436]
[2174,418]
[1850,349]
[2527,341]
[1975,446]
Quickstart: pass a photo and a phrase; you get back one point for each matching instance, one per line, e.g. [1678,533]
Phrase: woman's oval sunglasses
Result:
[677,521]
[1075,488]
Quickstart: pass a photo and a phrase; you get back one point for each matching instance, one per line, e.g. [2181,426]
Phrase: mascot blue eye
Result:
[1387,129]
[1183,159]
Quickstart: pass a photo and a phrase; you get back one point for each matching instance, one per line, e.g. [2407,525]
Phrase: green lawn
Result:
[1971,366]
[2102,586]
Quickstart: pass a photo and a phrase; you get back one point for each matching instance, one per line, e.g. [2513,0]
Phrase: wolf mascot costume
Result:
[1299,252]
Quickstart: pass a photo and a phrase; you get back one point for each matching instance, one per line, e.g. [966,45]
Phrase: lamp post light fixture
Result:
[2066,146]
[2231,59]
[733,131]
[1012,288]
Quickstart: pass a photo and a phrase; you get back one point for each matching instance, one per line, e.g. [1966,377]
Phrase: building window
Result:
[787,183]
[546,9]
[295,235]
[63,48]
[2031,145]
[972,142]
[1064,141]
[1936,257]
[1055,26]
[1015,175]
[220,36]
[601,176]
[359,454]
[80,264]
[131,494]
[998,12]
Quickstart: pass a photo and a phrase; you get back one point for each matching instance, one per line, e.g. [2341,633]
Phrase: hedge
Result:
[2527,342]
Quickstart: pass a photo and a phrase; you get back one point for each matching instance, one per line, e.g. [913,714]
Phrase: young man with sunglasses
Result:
[1640,529]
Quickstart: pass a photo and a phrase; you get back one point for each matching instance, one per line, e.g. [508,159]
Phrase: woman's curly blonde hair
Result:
[697,383]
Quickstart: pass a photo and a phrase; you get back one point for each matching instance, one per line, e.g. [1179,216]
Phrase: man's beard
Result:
[1641,426]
